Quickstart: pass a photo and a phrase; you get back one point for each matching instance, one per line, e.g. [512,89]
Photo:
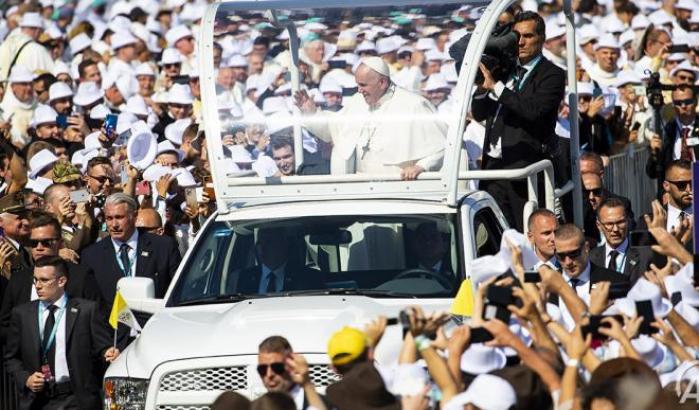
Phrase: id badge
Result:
[46,371]
[693,141]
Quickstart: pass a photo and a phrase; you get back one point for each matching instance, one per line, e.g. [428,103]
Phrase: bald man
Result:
[149,220]
[382,129]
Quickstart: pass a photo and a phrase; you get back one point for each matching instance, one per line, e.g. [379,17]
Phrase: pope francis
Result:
[381,129]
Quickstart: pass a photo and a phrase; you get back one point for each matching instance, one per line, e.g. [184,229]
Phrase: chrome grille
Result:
[322,375]
[215,378]
[183,407]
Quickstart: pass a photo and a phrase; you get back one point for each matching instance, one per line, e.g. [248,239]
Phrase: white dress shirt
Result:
[620,258]
[583,291]
[673,216]
[279,274]
[60,361]
[133,245]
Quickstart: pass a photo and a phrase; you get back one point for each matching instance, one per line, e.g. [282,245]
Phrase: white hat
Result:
[554,31]
[20,74]
[435,82]
[685,66]
[185,179]
[644,290]
[676,57]
[59,67]
[639,22]
[136,105]
[649,349]
[144,69]
[479,359]
[486,392]
[155,171]
[122,39]
[585,88]
[177,33]
[274,104]
[239,154]
[607,41]
[59,90]
[174,131]
[587,33]
[386,45]
[251,82]
[166,146]
[614,26]
[366,45]
[377,64]
[79,43]
[678,284]
[627,77]
[180,94]
[425,43]
[434,55]
[685,5]
[127,85]
[688,313]
[43,114]
[660,19]
[88,93]
[125,121]
[99,112]
[328,85]
[236,60]
[92,143]
[171,56]
[38,185]
[141,149]
[32,20]
[40,161]
[627,36]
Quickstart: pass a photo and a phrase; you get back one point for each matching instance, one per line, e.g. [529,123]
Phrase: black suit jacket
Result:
[81,284]
[528,115]
[597,274]
[157,257]
[294,279]
[656,164]
[87,338]
[590,216]
[638,259]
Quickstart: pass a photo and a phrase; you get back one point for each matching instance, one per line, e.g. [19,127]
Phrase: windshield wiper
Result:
[378,293]
[227,298]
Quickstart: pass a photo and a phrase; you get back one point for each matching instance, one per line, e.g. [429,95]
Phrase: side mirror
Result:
[139,294]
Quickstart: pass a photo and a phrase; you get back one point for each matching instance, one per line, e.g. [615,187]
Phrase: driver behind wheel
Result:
[430,247]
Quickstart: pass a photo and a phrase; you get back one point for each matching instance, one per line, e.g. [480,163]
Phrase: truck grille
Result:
[322,375]
[215,378]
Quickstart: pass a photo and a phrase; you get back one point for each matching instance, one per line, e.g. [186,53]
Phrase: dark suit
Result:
[597,274]
[638,259]
[590,216]
[81,284]
[656,164]
[525,122]
[294,279]
[157,257]
[87,338]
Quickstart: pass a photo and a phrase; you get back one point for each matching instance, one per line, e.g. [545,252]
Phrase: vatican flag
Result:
[122,314]
[463,302]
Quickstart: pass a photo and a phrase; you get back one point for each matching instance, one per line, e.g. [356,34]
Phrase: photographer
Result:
[520,114]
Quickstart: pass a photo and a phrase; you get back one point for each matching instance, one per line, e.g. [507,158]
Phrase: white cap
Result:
[660,19]
[425,43]
[20,74]
[627,37]
[274,104]
[649,350]
[144,69]
[171,56]
[479,359]
[614,26]
[236,60]
[177,33]
[87,93]
[366,45]
[180,94]
[59,67]
[166,146]
[43,114]
[627,77]
[486,392]
[127,85]
[377,64]
[685,66]
[141,148]
[79,43]
[122,39]
[435,82]
[386,45]
[587,33]
[644,290]
[554,31]
[328,85]
[99,112]
[607,41]
[40,161]
[58,90]
[639,22]
[136,105]
[38,185]
[32,20]
[175,130]
[685,5]
[185,179]
[434,55]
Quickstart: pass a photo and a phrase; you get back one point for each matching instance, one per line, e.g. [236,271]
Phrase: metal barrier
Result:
[8,389]
[625,175]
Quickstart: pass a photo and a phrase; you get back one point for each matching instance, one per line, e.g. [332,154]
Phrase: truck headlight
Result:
[122,393]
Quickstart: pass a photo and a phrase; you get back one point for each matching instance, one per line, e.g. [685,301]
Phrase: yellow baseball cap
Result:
[346,345]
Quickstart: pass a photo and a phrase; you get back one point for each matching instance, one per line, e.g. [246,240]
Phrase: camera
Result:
[654,90]
[499,56]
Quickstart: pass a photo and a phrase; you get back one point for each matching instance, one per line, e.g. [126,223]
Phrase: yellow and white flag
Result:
[122,314]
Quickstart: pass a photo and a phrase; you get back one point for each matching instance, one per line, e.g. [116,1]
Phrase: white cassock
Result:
[33,55]
[20,114]
[402,130]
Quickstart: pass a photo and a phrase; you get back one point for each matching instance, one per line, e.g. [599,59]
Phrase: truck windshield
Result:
[347,115]
[381,256]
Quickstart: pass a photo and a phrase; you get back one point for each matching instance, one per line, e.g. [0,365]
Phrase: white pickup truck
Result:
[353,245]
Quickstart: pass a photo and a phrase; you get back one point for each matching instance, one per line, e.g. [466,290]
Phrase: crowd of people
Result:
[105,173]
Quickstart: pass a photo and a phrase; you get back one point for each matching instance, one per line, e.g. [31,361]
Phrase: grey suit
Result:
[638,259]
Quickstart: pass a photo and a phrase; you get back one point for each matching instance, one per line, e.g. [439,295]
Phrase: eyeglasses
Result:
[681,185]
[277,368]
[46,243]
[610,225]
[686,102]
[593,191]
[42,281]
[572,254]
[102,179]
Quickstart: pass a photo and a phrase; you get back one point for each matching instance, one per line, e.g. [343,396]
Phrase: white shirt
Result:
[60,361]
[297,394]
[620,258]
[677,148]
[673,216]
[583,291]
[133,245]
[552,263]
[279,278]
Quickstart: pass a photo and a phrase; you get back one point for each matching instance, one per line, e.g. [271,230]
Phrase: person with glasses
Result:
[678,185]
[99,178]
[45,241]
[149,220]
[574,255]
[680,139]
[273,365]
[594,193]
[60,364]
[617,254]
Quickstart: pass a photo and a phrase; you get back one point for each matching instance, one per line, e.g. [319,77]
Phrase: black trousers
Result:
[63,401]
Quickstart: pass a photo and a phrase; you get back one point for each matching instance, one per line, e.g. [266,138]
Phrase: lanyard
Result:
[52,337]
[121,265]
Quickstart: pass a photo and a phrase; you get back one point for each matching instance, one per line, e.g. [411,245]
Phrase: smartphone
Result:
[500,295]
[143,188]
[209,189]
[79,196]
[596,92]
[480,335]
[644,309]
[500,313]
[110,123]
[641,238]
[180,79]
[199,191]
[449,326]
[391,321]
[532,277]
[636,126]
[619,290]
[123,176]
[190,195]
[678,48]
[62,121]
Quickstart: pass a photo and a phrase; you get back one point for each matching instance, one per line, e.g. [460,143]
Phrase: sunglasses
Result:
[679,103]
[572,254]
[681,185]
[102,179]
[594,191]
[46,243]
[277,368]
